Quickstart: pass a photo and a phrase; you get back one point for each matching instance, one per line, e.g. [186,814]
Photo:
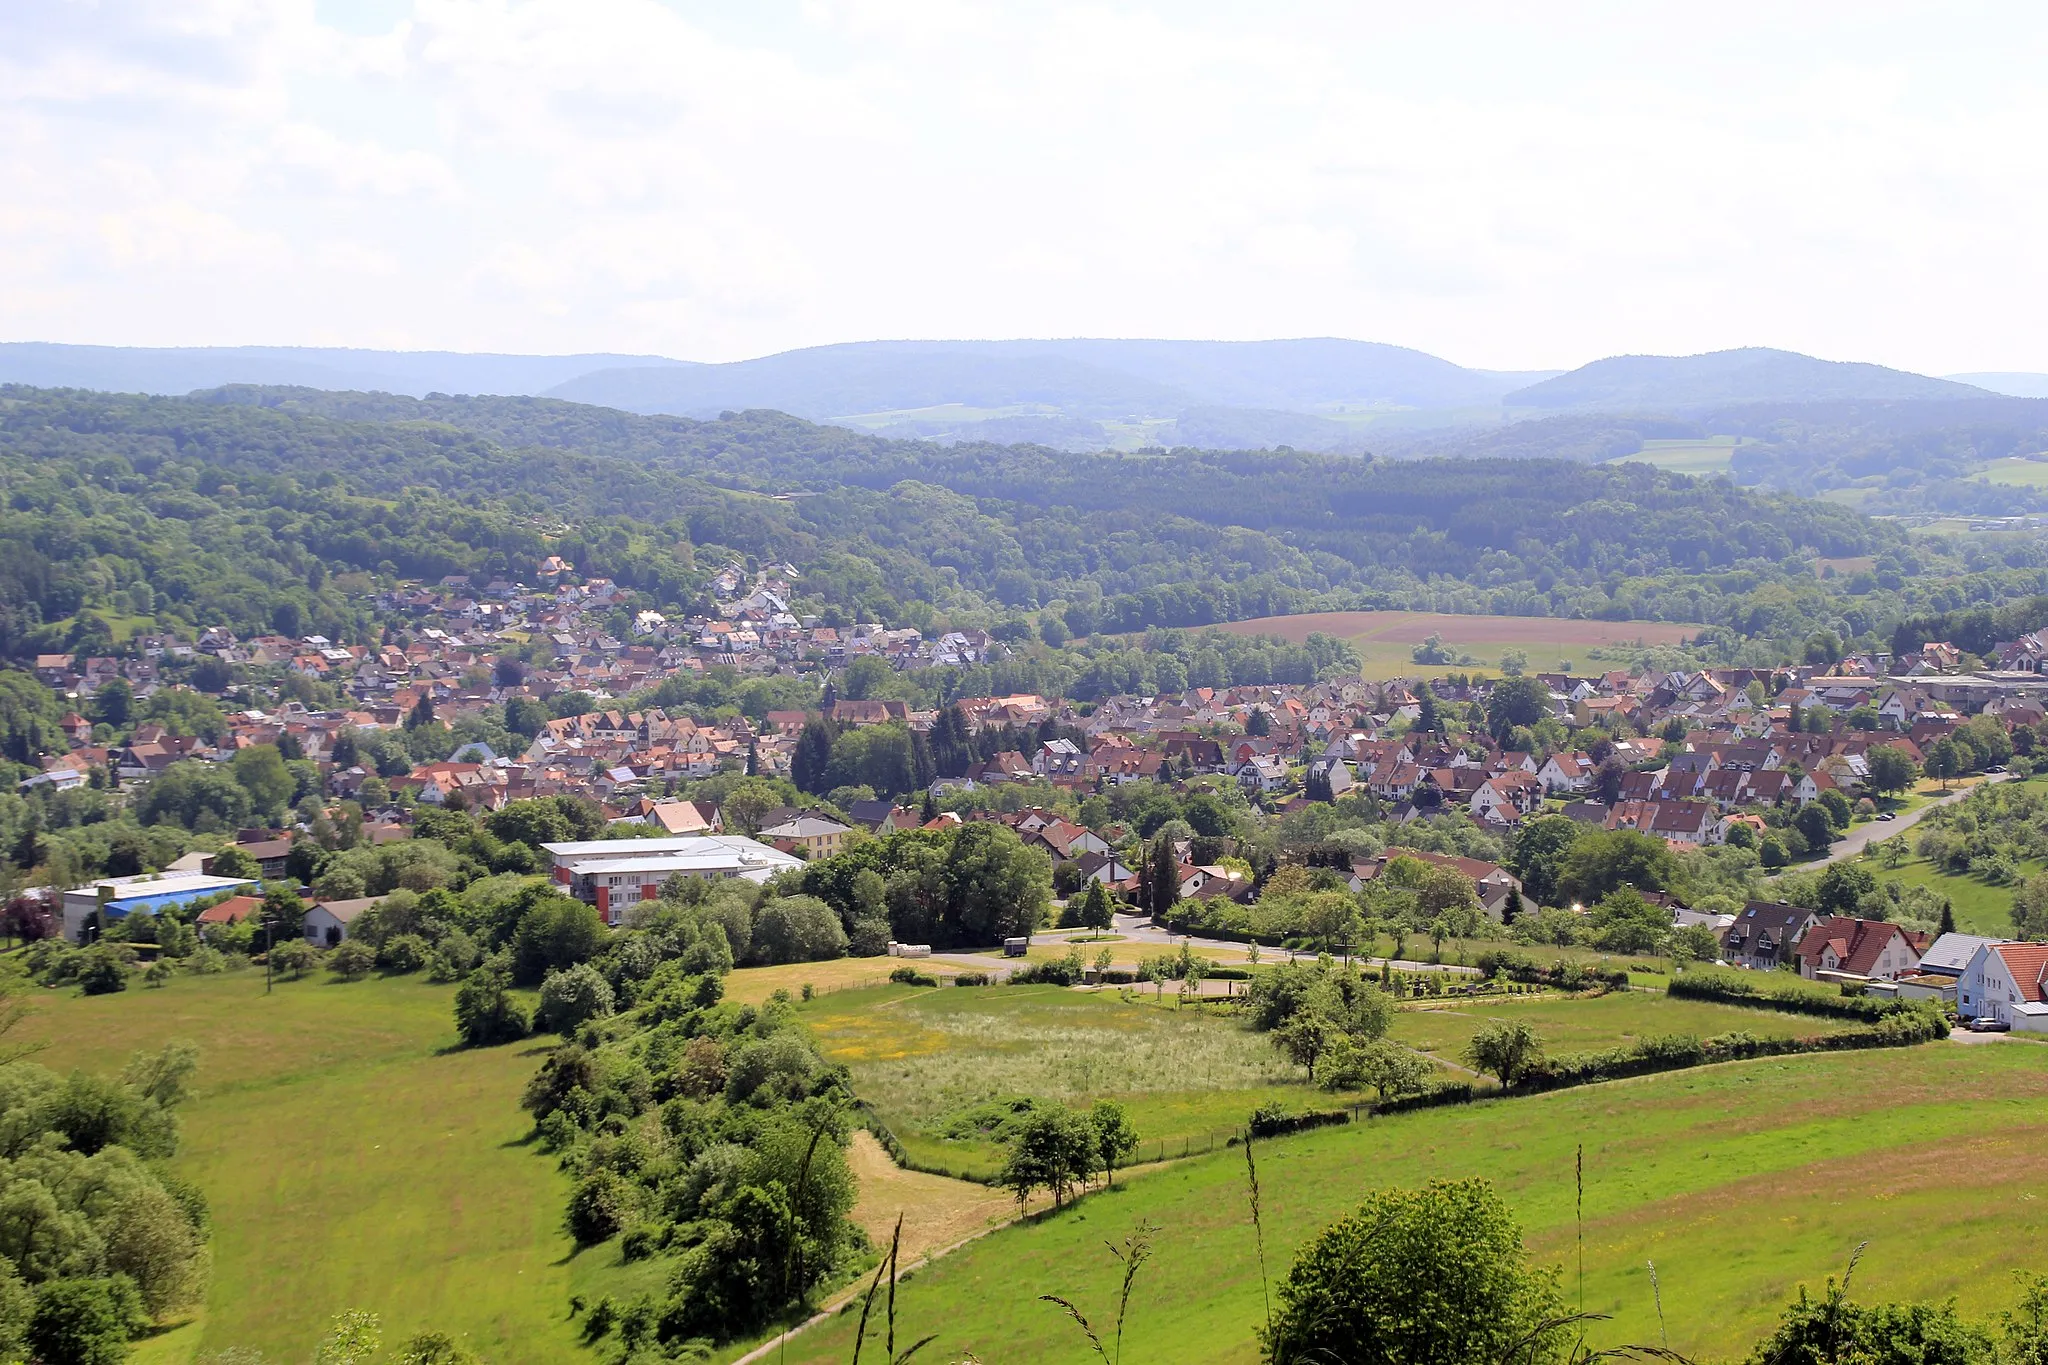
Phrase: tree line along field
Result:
[1739,1181]
[1386,640]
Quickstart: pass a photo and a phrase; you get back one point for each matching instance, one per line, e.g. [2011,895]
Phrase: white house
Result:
[2007,982]
[327,923]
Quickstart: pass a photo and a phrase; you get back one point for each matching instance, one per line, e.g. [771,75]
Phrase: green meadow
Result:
[1567,1025]
[353,1158]
[1738,1181]
[921,1055]
[1707,456]
[1981,908]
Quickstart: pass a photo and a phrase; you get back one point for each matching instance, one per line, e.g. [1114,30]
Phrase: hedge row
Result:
[1763,993]
[1570,976]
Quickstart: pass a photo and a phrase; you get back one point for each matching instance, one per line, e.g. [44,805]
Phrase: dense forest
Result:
[281,508]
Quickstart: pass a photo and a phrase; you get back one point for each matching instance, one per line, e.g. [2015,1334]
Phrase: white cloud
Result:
[1503,186]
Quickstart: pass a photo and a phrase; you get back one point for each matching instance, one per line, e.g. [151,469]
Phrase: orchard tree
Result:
[1115,1136]
[1505,1048]
[1055,1149]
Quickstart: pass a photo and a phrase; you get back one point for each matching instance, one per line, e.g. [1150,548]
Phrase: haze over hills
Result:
[1084,394]
[182,369]
[1752,374]
[2014,384]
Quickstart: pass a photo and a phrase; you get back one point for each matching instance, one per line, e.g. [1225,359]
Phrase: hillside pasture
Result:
[1386,640]
[353,1157]
[1740,1181]
[1568,1025]
[1705,457]
[1980,907]
[2017,471]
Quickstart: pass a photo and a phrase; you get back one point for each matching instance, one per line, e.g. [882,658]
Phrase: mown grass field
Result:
[1740,1181]
[1567,1025]
[1385,640]
[353,1159]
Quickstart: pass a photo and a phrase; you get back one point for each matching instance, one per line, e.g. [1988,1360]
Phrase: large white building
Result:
[613,874]
[115,898]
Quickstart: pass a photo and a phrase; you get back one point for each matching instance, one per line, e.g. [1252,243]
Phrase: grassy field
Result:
[1980,907]
[1385,640]
[1570,1025]
[1740,1181]
[919,1055]
[1703,457]
[353,1159]
[2017,471]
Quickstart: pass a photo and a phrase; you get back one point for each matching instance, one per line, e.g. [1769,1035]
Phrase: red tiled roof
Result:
[2027,962]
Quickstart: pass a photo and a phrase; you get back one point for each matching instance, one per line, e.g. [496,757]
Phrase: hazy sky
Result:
[1511,186]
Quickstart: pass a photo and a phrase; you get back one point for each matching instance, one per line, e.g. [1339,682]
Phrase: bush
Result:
[911,976]
[569,999]
[402,953]
[293,958]
[103,969]
[352,960]
[971,979]
[599,1207]
[486,1013]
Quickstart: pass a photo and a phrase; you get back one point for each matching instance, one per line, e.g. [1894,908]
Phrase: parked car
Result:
[1887,816]
[1986,1024]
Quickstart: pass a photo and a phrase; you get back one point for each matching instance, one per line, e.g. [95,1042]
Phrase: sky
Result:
[1510,186]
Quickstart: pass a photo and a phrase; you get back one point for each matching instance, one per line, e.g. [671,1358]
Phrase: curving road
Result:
[1861,836]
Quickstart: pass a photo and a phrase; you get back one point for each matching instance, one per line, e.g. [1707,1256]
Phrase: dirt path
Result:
[938,1211]
[939,1214]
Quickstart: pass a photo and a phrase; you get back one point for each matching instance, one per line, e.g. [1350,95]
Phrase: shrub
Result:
[486,1013]
[293,958]
[569,999]
[352,960]
[971,979]
[599,1207]
[911,976]
[403,953]
[103,969]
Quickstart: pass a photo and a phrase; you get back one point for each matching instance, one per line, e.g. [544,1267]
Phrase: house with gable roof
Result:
[1873,949]
[2007,982]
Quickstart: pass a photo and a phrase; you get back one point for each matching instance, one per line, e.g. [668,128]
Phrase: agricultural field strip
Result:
[1736,1131]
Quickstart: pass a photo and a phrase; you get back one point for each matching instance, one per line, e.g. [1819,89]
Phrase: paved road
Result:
[1859,837]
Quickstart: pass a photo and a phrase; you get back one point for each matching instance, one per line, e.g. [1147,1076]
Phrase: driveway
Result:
[1859,837]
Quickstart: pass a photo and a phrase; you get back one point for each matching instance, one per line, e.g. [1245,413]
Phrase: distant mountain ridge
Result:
[1751,374]
[182,369]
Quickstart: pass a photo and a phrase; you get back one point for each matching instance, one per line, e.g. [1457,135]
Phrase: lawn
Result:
[919,1055]
[352,1158]
[1385,640]
[1739,1181]
[1567,1025]
[1980,907]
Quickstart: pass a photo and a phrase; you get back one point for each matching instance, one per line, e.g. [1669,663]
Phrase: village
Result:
[1782,761]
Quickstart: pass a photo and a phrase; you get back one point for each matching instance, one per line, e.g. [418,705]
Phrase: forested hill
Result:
[256,508]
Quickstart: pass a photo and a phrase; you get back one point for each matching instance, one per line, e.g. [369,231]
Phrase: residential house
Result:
[327,923]
[1951,954]
[1765,934]
[1872,949]
[2007,982]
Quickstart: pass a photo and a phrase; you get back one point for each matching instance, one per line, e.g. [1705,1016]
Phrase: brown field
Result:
[1384,639]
